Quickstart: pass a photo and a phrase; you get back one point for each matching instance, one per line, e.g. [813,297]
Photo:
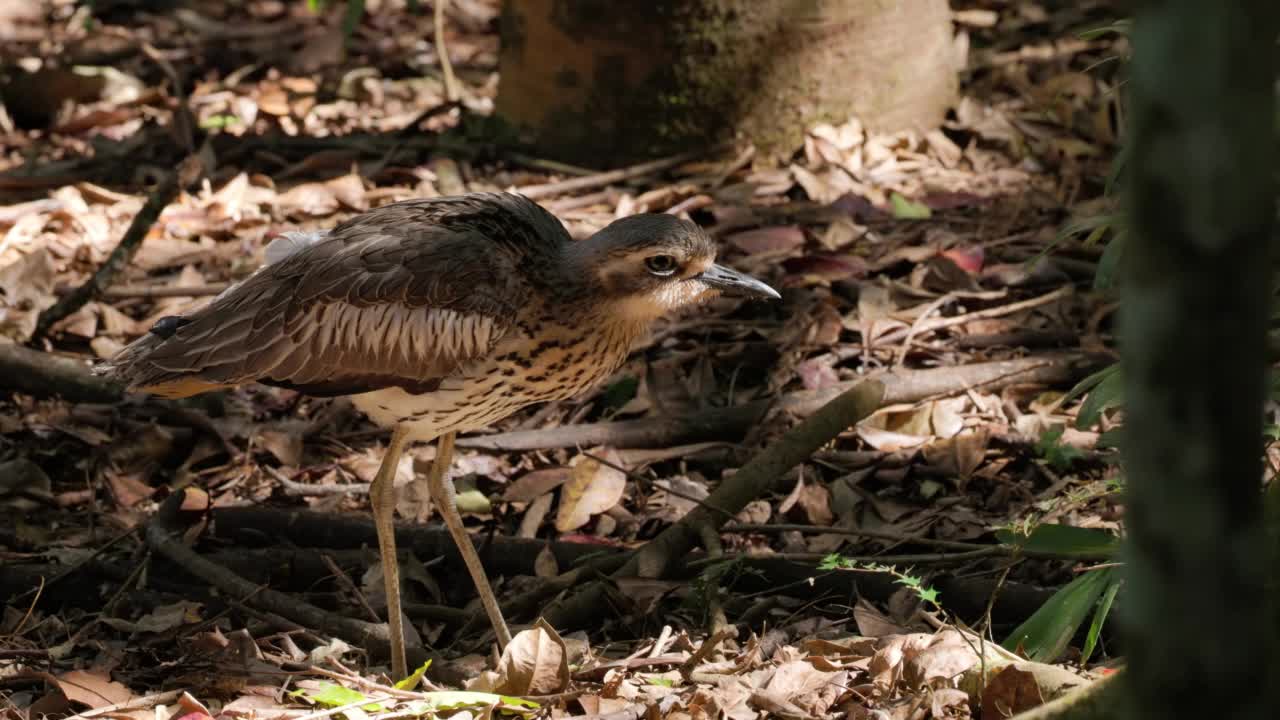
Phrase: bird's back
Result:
[398,296]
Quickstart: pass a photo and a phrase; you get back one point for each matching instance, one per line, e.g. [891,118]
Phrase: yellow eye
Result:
[661,265]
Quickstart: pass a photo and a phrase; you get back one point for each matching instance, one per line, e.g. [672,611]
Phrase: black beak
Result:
[734,283]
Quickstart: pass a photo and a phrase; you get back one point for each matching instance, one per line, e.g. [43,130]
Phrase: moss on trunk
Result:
[605,83]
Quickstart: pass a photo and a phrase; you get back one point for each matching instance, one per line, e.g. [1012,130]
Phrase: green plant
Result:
[1047,633]
[1058,454]
[927,594]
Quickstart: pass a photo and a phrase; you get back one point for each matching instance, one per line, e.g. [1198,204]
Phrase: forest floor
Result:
[877,578]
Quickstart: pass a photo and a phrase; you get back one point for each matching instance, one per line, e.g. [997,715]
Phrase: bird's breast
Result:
[539,362]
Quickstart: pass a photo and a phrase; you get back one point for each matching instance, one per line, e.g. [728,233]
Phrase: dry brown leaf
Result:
[163,618]
[778,239]
[536,483]
[535,662]
[285,446]
[804,685]
[592,489]
[873,623]
[671,506]
[947,417]
[886,441]
[309,199]
[756,512]
[349,190]
[815,501]
[92,688]
[961,455]
[534,515]
[1010,692]
[597,705]
[947,658]
[26,289]
[775,704]
[948,703]
[129,489]
[817,373]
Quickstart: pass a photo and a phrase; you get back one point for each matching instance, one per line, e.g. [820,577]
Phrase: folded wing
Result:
[382,301]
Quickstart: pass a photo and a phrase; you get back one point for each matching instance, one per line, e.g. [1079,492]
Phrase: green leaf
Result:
[1047,633]
[1104,278]
[1066,541]
[929,488]
[661,681]
[904,209]
[831,562]
[1099,619]
[217,122]
[621,392]
[1059,455]
[929,595]
[1119,27]
[1110,439]
[1109,393]
[469,499]
[351,18]
[1090,382]
[414,678]
[332,695]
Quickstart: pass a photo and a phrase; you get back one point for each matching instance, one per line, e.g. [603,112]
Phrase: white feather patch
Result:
[288,243]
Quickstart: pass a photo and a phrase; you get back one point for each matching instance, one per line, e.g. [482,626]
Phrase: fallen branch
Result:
[42,374]
[756,477]
[901,386]
[164,536]
[591,182]
[510,556]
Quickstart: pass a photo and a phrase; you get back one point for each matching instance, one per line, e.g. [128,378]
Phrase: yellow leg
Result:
[442,494]
[382,495]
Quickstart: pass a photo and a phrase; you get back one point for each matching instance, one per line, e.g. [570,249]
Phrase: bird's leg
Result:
[382,495]
[442,494]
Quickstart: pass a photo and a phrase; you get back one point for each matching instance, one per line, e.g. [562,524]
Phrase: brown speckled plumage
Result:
[446,314]
[436,316]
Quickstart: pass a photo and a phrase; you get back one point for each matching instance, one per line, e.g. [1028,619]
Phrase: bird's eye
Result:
[661,264]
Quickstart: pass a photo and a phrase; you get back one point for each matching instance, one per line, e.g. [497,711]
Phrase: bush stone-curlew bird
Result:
[436,316]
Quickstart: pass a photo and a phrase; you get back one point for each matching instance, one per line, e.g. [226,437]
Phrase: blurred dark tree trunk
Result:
[1202,202]
[604,82]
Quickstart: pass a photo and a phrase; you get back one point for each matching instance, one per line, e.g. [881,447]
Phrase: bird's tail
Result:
[132,366]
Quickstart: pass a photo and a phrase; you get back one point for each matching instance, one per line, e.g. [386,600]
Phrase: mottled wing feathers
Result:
[399,296]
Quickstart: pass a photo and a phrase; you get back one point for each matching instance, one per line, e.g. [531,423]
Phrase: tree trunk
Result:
[603,82]
[1197,296]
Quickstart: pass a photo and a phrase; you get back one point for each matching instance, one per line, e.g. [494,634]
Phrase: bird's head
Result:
[647,265]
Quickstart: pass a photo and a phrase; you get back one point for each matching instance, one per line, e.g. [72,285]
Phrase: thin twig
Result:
[137,703]
[591,182]
[442,51]
[130,292]
[119,259]
[1001,311]
[853,532]
[928,312]
[345,581]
